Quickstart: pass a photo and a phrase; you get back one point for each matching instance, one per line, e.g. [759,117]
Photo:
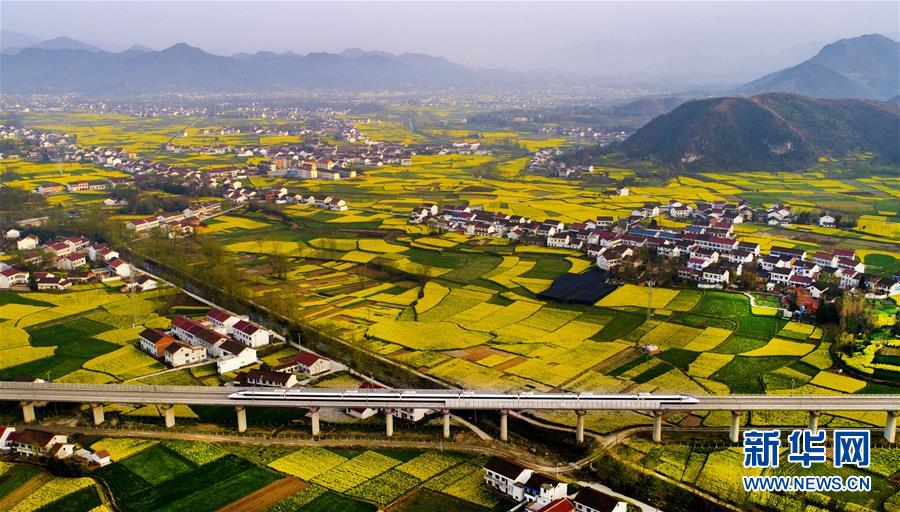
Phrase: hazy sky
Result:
[498,34]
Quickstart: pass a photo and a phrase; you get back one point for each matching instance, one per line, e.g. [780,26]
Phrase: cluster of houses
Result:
[40,443]
[177,224]
[38,144]
[586,133]
[228,339]
[284,375]
[536,492]
[51,188]
[279,194]
[708,252]
[64,262]
[543,163]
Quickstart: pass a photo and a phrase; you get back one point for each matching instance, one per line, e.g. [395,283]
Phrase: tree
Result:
[279,262]
[850,308]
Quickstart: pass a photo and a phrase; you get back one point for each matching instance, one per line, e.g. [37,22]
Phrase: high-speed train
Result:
[443,397]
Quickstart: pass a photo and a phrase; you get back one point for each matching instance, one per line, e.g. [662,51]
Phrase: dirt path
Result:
[267,496]
[10,500]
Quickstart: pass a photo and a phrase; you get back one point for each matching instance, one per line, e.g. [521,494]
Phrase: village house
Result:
[13,277]
[100,458]
[364,412]
[591,500]
[234,356]
[849,278]
[520,484]
[48,189]
[71,262]
[883,285]
[121,267]
[39,443]
[611,257]
[5,432]
[249,333]
[221,320]
[266,378]
[311,364]
[154,342]
[142,225]
[179,354]
[52,283]
[30,242]
[507,478]
[827,221]
[143,283]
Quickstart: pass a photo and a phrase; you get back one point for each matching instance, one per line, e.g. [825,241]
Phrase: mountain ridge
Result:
[864,67]
[767,130]
[182,66]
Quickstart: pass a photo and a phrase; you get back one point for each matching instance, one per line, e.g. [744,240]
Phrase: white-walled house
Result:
[221,320]
[35,442]
[591,500]
[507,478]
[12,277]
[521,484]
[311,364]
[28,243]
[249,333]
[180,354]
[120,267]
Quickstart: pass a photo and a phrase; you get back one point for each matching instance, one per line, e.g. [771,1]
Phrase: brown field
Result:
[267,496]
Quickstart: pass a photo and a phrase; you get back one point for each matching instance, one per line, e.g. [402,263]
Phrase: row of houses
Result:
[708,251]
[40,443]
[537,492]
[228,339]
[82,261]
[177,224]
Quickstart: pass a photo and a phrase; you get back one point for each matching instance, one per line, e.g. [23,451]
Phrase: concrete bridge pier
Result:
[169,415]
[579,426]
[241,418]
[389,422]
[314,417]
[445,413]
[657,426]
[97,411]
[890,428]
[28,411]
[814,421]
[735,433]
[504,425]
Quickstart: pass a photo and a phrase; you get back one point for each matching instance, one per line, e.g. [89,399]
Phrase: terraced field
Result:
[718,471]
[169,476]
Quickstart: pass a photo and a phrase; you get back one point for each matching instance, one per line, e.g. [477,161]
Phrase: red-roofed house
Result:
[222,320]
[120,267]
[312,364]
[365,412]
[13,277]
[249,333]
[154,342]
[560,505]
[71,261]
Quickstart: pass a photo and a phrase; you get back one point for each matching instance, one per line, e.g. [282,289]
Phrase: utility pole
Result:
[649,299]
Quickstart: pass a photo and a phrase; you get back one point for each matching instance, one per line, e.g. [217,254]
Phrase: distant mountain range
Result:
[768,130]
[866,67]
[64,65]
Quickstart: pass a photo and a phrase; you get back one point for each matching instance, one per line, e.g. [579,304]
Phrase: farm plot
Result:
[640,296]
[203,488]
[355,471]
[427,335]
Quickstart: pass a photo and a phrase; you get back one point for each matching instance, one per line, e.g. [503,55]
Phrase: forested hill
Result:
[768,130]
